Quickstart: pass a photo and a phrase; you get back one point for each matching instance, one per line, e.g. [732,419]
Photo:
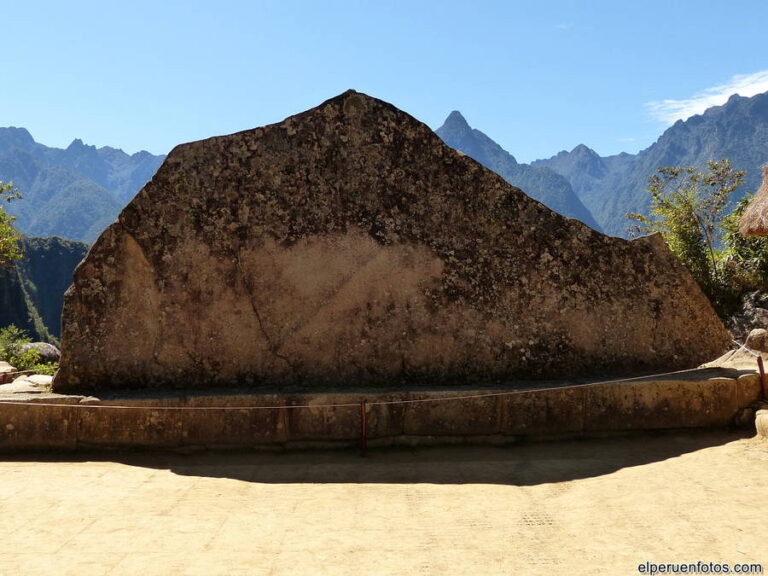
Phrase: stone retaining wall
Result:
[691,400]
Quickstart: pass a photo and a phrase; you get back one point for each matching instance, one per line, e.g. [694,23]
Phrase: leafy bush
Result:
[10,248]
[688,207]
[12,340]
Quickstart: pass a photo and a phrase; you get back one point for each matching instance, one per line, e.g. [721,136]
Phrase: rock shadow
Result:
[520,464]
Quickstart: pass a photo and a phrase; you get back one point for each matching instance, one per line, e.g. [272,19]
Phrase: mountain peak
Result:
[18,132]
[456,118]
[583,150]
[13,137]
[78,145]
[454,128]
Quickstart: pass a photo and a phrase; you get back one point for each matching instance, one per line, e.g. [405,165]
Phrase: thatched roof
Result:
[754,222]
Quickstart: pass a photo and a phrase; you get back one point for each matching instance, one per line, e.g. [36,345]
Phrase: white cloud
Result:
[669,111]
[627,139]
[564,26]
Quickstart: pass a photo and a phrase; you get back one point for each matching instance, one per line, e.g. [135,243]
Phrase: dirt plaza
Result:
[597,506]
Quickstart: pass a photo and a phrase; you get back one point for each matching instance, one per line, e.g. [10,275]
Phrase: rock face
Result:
[348,245]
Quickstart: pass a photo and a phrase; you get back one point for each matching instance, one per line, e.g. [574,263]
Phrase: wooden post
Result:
[363,429]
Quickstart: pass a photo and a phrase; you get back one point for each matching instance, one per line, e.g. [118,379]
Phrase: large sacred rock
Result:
[349,246]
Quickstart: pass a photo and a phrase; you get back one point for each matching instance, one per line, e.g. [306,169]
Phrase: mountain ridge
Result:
[737,130]
[75,192]
[72,192]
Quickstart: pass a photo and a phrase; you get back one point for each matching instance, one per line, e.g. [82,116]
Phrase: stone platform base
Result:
[703,398]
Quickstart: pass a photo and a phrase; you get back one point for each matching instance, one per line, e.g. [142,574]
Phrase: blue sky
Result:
[537,77]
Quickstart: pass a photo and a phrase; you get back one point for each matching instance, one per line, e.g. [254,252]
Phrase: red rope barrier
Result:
[763,384]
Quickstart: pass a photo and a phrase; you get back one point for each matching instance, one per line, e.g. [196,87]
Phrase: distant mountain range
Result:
[614,185]
[73,193]
[540,183]
[76,192]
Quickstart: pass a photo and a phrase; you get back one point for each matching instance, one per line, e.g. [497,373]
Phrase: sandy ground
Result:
[587,507]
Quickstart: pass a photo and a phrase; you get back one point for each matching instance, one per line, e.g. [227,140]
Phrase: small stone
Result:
[39,381]
[7,372]
[758,340]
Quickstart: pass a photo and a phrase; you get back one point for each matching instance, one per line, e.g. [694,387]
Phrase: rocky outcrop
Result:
[348,245]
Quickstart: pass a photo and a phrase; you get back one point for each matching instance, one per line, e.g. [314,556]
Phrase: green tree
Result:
[745,259]
[688,206]
[10,248]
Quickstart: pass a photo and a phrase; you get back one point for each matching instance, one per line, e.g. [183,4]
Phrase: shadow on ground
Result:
[521,464]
